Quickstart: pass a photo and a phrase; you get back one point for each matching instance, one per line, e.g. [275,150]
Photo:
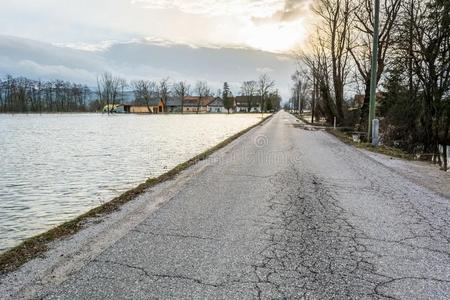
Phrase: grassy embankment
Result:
[34,246]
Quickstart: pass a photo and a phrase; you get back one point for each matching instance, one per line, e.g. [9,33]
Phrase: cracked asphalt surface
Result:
[283,213]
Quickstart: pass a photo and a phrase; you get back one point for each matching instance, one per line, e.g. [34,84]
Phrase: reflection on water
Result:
[54,167]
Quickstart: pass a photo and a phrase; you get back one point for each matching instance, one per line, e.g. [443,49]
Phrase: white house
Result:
[216,106]
[247,104]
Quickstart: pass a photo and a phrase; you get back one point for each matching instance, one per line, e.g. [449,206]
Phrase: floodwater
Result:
[57,166]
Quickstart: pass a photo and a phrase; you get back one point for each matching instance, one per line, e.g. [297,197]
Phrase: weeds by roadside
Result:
[346,137]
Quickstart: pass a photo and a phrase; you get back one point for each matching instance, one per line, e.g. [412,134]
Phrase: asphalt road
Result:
[281,213]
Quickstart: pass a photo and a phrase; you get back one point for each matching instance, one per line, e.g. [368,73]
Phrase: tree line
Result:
[21,95]
[24,95]
[413,70]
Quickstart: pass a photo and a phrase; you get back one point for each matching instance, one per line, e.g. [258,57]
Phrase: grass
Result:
[303,118]
[345,136]
[14,258]
[390,151]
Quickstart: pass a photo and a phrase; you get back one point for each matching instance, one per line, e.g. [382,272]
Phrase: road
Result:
[280,213]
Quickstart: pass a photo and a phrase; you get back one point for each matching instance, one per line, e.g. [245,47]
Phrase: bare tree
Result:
[203,91]
[274,101]
[315,60]
[265,84]
[123,84]
[361,50]
[181,89]
[164,90]
[108,90]
[144,90]
[300,88]
[431,64]
[248,90]
[334,40]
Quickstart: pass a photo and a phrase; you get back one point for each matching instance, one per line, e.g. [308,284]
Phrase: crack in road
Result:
[177,235]
[157,275]
[314,242]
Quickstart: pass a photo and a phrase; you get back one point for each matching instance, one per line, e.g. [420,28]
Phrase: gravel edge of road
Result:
[12,259]
[419,172]
[433,179]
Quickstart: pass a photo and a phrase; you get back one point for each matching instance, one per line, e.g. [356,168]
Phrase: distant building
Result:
[191,104]
[154,106]
[173,104]
[217,106]
[111,108]
[119,109]
[242,104]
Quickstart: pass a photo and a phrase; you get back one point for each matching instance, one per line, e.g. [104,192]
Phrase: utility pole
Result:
[374,69]
[411,51]
[313,106]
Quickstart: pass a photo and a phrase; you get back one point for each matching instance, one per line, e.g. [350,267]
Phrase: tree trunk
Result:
[339,94]
[445,158]
[313,105]
[364,117]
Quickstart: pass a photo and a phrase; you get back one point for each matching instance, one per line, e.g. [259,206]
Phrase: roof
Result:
[193,101]
[152,102]
[243,100]
[218,102]
[173,101]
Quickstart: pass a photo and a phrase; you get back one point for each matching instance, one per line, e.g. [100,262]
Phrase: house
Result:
[119,109]
[153,106]
[193,104]
[110,108]
[216,106]
[173,104]
[242,103]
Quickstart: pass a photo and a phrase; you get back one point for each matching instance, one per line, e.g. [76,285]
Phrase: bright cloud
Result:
[247,8]
[271,25]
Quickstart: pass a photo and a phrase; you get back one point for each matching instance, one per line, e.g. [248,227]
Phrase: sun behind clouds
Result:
[268,25]
[275,37]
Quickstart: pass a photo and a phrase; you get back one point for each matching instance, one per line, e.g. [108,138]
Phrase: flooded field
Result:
[54,167]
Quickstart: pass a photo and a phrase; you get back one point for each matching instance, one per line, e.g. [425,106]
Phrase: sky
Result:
[214,40]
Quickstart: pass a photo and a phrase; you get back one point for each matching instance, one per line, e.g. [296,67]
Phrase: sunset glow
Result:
[269,25]
[276,37]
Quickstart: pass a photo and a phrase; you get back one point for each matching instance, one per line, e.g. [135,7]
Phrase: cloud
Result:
[86,23]
[264,70]
[143,59]
[248,8]
[55,71]
[292,11]
[92,47]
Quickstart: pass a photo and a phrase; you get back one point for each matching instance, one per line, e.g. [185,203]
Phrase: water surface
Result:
[54,167]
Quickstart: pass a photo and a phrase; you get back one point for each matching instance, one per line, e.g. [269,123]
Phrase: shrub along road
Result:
[282,213]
